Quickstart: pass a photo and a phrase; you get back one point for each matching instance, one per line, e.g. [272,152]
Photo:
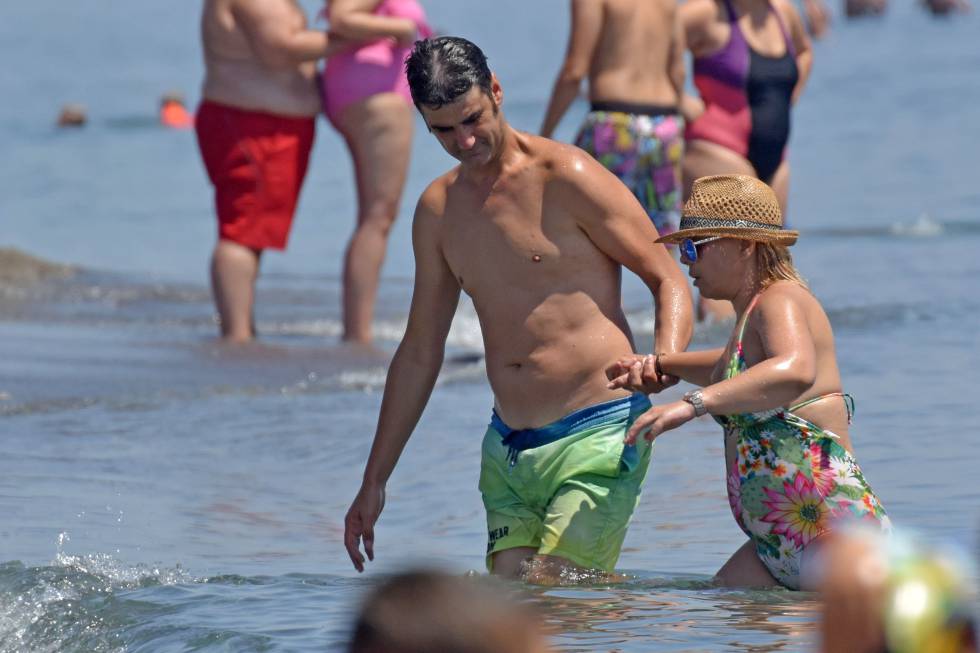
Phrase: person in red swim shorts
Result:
[255,129]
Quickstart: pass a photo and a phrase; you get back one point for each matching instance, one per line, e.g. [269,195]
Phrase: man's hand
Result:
[638,373]
[359,523]
[659,419]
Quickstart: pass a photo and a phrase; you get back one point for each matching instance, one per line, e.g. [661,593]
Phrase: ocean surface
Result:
[162,492]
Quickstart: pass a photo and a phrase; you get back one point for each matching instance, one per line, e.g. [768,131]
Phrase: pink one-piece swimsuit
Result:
[375,67]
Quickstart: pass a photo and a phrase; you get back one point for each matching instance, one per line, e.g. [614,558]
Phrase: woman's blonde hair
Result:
[776,264]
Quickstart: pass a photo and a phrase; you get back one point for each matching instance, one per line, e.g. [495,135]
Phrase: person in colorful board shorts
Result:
[536,233]
[255,129]
[775,388]
[632,52]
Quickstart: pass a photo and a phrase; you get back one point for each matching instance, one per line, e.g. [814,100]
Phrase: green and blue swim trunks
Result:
[567,489]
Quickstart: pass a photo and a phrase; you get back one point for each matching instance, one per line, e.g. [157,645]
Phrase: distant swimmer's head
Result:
[458,97]
[173,113]
[854,8]
[945,7]
[172,97]
[738,219]
[421,611]
[72,115]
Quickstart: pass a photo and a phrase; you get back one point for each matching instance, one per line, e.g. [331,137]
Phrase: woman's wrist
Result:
[696,399]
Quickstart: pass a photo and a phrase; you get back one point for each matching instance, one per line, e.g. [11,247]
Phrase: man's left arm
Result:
[614,220]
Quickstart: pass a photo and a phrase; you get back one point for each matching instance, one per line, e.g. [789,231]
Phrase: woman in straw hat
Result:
[775,388]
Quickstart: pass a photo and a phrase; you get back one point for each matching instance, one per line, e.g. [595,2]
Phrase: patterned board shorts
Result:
[645,152]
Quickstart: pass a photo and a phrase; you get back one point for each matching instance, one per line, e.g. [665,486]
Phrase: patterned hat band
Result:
[692,222]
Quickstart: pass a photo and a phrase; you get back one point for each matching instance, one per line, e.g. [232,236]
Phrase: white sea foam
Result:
[922,227]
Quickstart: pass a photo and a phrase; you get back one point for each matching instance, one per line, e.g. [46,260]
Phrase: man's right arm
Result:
[267,27]
[412,373]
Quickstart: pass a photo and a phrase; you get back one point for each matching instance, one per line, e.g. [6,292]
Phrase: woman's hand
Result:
[691,107]
[407,36]
[638,373]
[659,419]
[337,44]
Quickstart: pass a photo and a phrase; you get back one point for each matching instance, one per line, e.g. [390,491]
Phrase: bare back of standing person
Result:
[634,59]
[632,53]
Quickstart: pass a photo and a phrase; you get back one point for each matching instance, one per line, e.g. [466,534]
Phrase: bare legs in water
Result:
[234,269]
[378,132]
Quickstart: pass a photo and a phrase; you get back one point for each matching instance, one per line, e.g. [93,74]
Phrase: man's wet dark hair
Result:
[442,69]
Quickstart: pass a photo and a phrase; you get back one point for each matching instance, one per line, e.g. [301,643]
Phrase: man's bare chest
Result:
[502,238]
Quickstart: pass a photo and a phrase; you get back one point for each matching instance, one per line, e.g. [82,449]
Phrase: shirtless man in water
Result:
[255,128]
[535,232]
[632,53]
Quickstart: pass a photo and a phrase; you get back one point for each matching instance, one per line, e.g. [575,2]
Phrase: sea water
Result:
[162,492]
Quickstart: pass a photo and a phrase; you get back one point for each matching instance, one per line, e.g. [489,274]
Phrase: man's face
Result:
[471,129]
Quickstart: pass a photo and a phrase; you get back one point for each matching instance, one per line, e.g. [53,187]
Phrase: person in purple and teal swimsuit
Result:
[751,62]
[632,52]
[775,388]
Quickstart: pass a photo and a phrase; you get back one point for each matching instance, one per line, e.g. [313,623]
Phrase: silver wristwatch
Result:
[696,399]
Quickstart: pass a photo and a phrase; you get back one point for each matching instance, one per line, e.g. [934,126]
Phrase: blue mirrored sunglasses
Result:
[689,248]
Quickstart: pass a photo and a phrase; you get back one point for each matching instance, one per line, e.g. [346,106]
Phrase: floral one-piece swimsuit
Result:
[791,480]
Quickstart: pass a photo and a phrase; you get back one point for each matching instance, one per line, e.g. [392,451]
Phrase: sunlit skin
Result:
[630,51]
[472,131]
[378,132]
[707,30]
[788,346]
[259,55]
[536,233]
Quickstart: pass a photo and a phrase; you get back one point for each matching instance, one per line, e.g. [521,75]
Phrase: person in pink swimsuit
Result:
[366,99]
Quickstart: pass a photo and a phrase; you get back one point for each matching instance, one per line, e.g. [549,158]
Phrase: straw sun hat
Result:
[732,206]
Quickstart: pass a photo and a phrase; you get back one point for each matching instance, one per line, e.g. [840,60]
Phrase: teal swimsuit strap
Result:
[848,403]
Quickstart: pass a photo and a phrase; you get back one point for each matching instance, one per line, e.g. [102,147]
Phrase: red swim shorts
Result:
[257,162]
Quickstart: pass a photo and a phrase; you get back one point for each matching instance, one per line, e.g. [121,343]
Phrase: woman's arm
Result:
[273,37]
[801,44]
[788,369]
[353,19]
[693,17]
[692,366]
[640,373]
[582,42]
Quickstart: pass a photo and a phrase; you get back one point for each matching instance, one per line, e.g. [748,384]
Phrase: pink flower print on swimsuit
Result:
[791,482]
[645,153]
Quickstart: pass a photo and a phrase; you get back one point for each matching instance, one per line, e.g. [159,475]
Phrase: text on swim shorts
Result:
[494,535]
